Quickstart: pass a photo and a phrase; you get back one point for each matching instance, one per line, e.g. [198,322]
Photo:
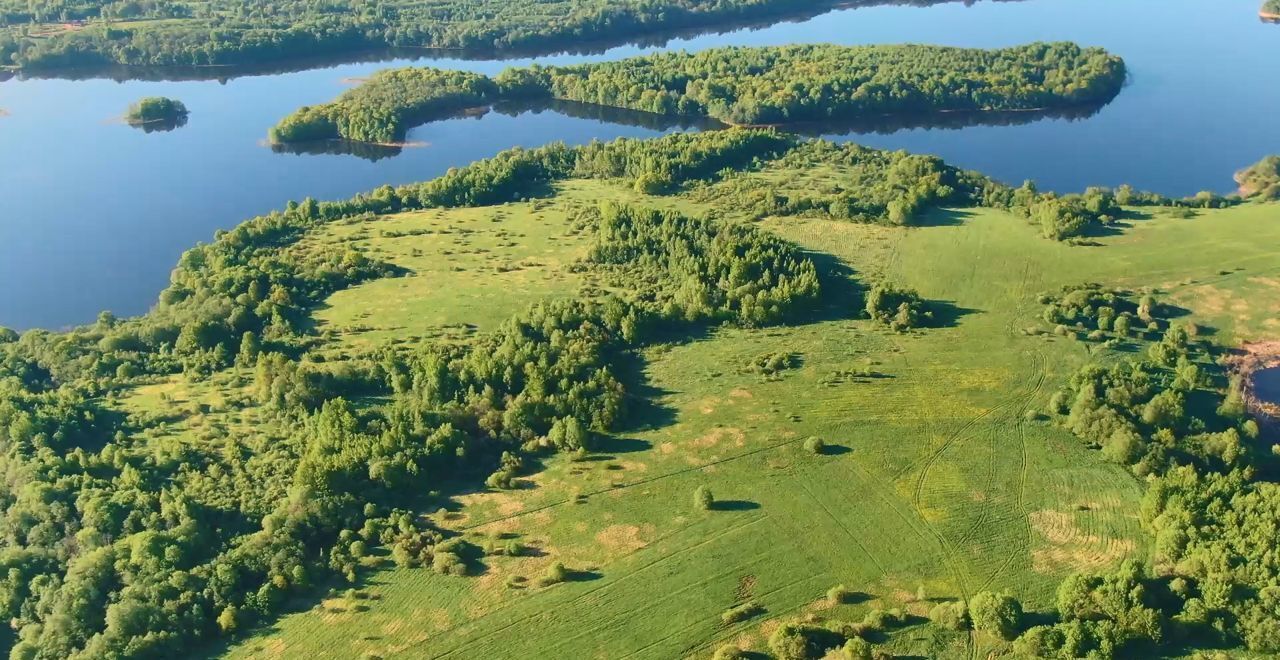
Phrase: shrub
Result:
[703,499]
[555,574]
[900,309]
[797,641]
[856,649]
[839,595]
[998,614]
[447,563]
[729,652]
[879,619]
[1039,642]
[814,445]
[952,616]
[741,612]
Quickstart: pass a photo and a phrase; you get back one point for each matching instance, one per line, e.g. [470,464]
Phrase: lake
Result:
[95,213]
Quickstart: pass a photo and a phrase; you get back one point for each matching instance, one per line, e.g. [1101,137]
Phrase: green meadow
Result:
[940,478]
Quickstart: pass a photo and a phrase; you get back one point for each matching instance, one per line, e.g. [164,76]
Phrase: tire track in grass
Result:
[610,623]
[1020,494]
[1037,365]
[853,537]
[699,622]
[953,558]
[578,600]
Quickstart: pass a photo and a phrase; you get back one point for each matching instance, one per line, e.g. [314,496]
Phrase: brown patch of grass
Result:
[624,539]
[713,437]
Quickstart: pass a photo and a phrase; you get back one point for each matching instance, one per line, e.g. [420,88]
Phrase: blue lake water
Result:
[94,213]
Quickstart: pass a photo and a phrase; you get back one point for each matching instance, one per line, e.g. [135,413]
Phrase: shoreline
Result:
[1254,357]
[886,115]
[479,111]
[406,144]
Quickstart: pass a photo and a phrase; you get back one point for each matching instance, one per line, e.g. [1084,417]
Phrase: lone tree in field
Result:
[703,499]
[998,614]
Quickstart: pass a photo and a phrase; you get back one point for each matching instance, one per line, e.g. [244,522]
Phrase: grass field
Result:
[939,476]
[465,270]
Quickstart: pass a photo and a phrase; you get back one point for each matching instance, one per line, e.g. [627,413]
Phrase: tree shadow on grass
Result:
[855,597]
[572,575]
[835,450]
[947,314]
[645,410]
[842,292]
[734,505]
[942,217]
[616,445]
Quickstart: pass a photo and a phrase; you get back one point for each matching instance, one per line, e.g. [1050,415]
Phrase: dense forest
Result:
[77,33]
[770,85]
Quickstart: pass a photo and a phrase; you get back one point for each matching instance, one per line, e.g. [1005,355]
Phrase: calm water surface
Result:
[1266,385]
[94,213]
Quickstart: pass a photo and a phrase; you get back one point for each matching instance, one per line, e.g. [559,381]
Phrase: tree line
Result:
[242,32]
[766,85]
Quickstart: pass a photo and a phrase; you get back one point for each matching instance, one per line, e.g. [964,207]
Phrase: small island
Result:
[775,85]
[157,113]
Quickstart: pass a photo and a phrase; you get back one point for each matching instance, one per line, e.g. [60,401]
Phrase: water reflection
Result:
[1266,386]
[890,124]
[879,125]
[160,125]
[608,115]
[365,150]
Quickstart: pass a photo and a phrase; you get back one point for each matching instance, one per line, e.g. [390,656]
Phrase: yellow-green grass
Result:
[198,412]
[940,479]
[466,269]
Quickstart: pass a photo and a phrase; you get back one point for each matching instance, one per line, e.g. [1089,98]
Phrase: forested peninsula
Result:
[768,85]
[80,33]
[121,540]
